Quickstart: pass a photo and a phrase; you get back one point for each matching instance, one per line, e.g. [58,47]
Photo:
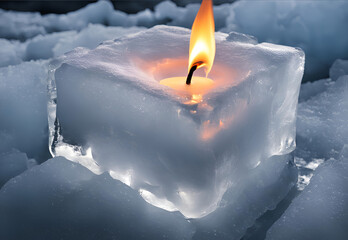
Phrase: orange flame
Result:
[202,42]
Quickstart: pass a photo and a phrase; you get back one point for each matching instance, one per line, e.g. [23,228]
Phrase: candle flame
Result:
[202,42]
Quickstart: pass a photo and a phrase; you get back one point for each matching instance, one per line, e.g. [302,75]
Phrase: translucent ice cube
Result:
[109,112]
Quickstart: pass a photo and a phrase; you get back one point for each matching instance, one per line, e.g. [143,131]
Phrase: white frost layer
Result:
[23,108]
[138,125]
[60,199]
[321,210]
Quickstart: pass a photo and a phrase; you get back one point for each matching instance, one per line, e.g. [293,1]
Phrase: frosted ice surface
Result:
[60,199]
[12,163]
[23,107]
[338,68]
[109,100]
[321,210]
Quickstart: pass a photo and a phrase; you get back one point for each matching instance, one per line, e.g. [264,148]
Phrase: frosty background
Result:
[59,199]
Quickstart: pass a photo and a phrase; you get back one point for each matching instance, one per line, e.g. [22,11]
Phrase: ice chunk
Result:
[322,121]
[60,199]
[321,210]
[12,164]
[338,68]
[109,100]
[23,107]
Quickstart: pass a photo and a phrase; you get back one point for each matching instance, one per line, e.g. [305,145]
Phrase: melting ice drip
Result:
[57,146]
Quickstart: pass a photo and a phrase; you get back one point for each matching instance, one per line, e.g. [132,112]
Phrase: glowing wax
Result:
[198,86]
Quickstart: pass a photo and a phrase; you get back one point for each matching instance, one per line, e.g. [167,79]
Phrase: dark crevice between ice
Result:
[259,230]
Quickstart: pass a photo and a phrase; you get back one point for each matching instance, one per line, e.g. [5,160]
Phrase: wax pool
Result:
[198,86]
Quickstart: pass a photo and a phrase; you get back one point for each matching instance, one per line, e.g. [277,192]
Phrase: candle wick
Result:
[189,76]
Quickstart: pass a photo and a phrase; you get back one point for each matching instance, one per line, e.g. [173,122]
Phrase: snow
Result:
[60,199]
[194,179]
[23,97]
[320,211]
